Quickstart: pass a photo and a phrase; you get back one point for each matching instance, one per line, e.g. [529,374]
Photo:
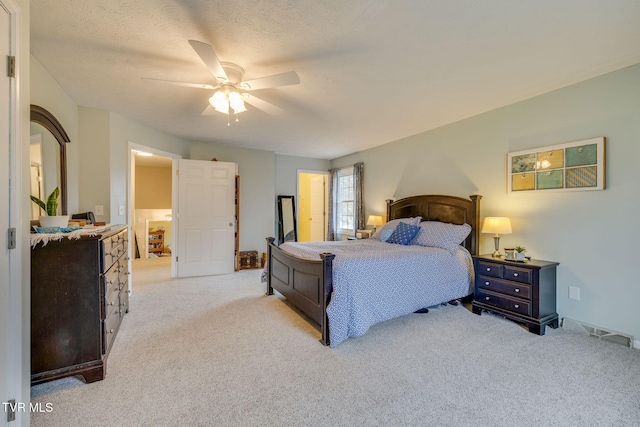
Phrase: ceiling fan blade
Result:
[209,111]
[282,79]
[208,55]
[183,84]
[261,104]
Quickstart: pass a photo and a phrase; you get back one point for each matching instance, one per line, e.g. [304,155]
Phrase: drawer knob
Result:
[110,331]
[486,283]
[488,268]
[515,274]
[517,290]
[517,306]
[487,298]
[111,303]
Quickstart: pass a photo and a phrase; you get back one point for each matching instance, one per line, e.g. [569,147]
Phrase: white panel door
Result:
[317,208]
[206,218]
[6,320]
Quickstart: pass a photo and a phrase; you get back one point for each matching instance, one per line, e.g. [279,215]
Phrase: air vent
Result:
[597,332]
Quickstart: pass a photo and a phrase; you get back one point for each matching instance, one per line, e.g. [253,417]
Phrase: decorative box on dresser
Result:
[79,295]
[521,291]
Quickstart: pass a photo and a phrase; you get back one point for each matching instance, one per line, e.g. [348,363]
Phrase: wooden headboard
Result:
[450,209]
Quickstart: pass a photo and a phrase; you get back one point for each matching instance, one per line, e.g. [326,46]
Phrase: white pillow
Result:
[391,225]
[441,235]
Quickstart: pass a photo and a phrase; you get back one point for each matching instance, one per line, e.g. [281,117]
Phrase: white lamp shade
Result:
[496,225]
[374,220]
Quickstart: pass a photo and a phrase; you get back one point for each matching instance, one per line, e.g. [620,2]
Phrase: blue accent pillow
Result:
[403,234]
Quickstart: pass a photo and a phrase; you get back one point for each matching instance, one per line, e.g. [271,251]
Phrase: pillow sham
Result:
[385,234]
[391,225]
[441,235]
[403,234]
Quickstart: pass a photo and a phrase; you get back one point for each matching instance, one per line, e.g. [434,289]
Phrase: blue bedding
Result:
[374,281]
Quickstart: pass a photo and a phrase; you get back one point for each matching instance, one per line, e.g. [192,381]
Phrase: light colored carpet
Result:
[216,351]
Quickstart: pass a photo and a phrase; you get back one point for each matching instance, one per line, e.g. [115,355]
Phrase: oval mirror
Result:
[48,158]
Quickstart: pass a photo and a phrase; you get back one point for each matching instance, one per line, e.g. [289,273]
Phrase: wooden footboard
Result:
[307,284]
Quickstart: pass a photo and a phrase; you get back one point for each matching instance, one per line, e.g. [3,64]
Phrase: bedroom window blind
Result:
[345,201]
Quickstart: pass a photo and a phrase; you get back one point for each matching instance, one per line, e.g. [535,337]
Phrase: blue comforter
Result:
[374,281]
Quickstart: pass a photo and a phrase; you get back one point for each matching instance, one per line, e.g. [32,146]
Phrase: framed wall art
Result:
[573,166]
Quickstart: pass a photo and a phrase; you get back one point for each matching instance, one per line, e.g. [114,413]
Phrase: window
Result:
[345,201]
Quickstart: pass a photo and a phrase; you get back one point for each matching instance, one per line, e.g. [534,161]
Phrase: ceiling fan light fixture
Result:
[222,101]
[236,102]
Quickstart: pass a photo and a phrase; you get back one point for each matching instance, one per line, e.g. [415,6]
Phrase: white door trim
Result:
[17,371]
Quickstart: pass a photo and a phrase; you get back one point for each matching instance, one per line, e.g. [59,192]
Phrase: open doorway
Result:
[312,205]
[152,200]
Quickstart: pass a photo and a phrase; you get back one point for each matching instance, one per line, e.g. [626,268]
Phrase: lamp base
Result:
[496,241]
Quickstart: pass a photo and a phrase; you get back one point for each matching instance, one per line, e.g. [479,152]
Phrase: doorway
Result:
[152,172]
[312,205]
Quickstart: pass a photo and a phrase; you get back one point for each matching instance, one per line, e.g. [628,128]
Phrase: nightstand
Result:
[524,292]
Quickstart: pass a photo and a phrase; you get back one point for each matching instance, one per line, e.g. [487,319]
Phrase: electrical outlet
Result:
[574,293]
[99,210]
[120,210]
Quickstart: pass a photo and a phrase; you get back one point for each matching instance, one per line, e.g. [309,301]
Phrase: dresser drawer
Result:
[110,327]
[504,287]
[518,274]
[514,305]
[489,269]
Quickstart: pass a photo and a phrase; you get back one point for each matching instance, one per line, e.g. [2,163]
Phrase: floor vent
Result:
[597,332]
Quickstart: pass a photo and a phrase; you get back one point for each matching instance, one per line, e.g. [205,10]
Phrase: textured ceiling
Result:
[371,71]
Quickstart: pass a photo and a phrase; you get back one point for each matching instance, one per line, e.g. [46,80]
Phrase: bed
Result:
[348,286]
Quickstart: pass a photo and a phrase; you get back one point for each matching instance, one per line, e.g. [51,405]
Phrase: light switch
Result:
[99,210]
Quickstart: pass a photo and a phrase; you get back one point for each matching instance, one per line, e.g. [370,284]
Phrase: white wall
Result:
[592,234]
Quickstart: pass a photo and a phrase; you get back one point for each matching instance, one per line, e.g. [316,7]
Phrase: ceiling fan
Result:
[231,90]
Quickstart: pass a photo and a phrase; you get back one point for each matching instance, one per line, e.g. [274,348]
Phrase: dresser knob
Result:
[487,298]
[517,290]
[111,303]
[515,274]
[517,306]
[110,331]
[488,268]
[486,283]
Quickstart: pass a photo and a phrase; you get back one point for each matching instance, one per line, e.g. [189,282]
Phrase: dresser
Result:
[79,295]
[521,291]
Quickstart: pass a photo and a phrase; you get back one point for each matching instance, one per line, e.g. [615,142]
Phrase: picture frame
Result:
[572,166]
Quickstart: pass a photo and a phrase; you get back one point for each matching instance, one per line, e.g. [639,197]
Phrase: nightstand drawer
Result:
[518,274]
[504,287]
[489,269]
[502,301]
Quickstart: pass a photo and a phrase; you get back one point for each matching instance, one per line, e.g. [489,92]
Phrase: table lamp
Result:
[496,225]
[374,220]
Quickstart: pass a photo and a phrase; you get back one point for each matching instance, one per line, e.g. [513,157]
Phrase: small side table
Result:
[524,292]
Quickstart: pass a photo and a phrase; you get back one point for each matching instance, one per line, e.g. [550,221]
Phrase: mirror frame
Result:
[281,237]
[48,121]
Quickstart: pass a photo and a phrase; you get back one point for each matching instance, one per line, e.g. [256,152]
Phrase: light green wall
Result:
[94,162]
[122,131]
[591,233]
[47,93]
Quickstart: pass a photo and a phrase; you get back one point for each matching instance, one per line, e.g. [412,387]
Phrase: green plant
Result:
[520,249]
[51,207]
